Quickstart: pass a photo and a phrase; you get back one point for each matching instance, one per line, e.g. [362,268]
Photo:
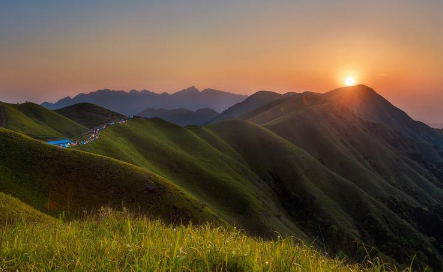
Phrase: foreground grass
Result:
[115,241]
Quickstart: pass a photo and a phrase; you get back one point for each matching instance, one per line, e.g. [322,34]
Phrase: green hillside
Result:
[263,183]
[38,122]
[13,211]
[250,103]
[374,107]
[182,117]
[59,181]
[400,172]
[89,115]
[306,165]
[217,176]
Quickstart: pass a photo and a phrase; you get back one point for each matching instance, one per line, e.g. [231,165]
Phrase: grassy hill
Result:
[59,181]
[118,242]
[38,122]
[307,165]
[89,115]
[374,107]
[181,116]
[13,211]
[250,103]
[262,182]
[215,175]
[402,173]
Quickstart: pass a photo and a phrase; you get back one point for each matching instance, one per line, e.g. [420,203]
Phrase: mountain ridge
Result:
[252,102]
[323,167]
[133,102]
[181,116]
[38,122]
[89,115]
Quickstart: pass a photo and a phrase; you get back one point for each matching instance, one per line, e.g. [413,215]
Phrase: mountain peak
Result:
[359,89]
[189,90]
[358,94]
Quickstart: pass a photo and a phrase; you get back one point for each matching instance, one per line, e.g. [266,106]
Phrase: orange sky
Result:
[49,50]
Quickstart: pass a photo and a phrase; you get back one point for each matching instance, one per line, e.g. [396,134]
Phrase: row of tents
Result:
[92,136]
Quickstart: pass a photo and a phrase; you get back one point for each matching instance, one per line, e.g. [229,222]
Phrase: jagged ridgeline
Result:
[345,169]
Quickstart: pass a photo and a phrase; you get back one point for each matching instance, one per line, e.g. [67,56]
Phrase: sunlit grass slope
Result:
[117,242]
[13,210]
[89,115]
[215,175]
[262,182]
[39,122]
[61,181]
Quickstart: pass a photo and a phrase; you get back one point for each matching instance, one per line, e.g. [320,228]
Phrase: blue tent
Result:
[62,143]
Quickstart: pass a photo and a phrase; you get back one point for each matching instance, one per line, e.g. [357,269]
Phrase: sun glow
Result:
[350,81]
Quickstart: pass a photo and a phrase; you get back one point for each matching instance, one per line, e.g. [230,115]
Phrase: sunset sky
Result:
[52,49]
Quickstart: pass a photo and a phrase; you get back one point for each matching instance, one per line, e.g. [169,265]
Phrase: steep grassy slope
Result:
[217,176]
[351,146]
[252,102]
[263,182]
[89,115]
[13,210]
[402,173]
[182,117]
[38,122]
[374,107]
[59,181]
[322,201]
[118,242]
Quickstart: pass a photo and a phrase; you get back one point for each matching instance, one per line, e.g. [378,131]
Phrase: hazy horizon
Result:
[50,50]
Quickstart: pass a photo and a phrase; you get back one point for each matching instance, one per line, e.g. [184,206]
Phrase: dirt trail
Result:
[2,117]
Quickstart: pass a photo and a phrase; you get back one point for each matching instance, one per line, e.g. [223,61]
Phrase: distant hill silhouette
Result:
[89,115]
[181,116]
[133,102]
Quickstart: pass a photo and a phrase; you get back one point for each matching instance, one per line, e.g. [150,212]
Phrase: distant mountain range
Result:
[181,116]
[133,102]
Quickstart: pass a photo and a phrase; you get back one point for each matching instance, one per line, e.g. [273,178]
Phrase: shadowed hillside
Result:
[374,107]
[60,181]
[13,211]
[216,175]
[38,122]
[252,102]
[262,182]
[89,115]
[182,117]
[305,165]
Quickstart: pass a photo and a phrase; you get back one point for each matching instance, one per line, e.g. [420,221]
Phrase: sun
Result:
[350,81]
